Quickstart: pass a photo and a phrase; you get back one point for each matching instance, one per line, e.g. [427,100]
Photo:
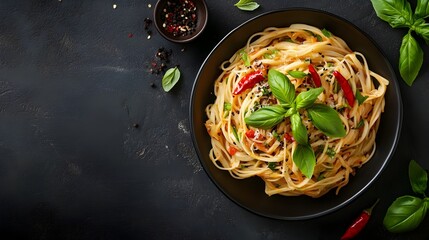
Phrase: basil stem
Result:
[410,59]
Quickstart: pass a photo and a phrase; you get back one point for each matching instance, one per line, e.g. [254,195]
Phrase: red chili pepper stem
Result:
[359,223]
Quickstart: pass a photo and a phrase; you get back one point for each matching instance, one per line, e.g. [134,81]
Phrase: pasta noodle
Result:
[247,151]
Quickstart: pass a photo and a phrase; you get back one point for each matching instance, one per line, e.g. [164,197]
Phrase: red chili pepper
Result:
[250,133]
[348,92]
[288,138]
[232,150]
[248,81]
[359,223]
[314,75]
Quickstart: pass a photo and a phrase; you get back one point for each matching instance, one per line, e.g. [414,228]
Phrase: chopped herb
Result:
[321,177]
[227,106]
[360,98]
[245,58]
[331,152]
[319,38]
[360,124]
[336,87]
[265,91]
[326,33]
[234,131]
[272,166]
[276,135]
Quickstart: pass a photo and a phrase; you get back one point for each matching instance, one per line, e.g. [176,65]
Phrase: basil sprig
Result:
[407,212]
[398,13]
[323,117]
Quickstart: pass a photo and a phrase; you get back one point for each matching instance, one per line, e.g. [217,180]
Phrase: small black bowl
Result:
[197,27]
[249,193]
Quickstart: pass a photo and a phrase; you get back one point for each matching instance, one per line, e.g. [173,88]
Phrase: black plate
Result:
[249,193]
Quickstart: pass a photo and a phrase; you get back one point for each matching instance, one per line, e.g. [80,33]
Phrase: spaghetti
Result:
[309,56]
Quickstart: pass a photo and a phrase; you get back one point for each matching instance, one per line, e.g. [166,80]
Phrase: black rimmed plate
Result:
[250,193]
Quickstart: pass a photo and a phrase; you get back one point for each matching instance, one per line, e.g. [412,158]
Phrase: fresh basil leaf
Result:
[422,9]
[326,120]
[304,158]
[281,86]
[360,98]
[299,131]
[397,13]
[170,78]
[297,74]
[418,177]
[266,117]
[306,99]
[326,33]
[405,214]
[422,29]
[410,59]
[245,58]
[247,5]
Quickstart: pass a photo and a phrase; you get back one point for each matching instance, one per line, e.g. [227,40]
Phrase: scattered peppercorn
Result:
[136,125]
[147,27]
[162,59]
[180,17]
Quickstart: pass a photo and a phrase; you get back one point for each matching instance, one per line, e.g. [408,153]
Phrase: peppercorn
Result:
[180,18]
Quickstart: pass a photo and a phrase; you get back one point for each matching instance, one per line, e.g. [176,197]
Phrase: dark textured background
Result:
[72,166]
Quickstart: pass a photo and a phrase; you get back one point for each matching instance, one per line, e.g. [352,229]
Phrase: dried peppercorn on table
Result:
[91,147]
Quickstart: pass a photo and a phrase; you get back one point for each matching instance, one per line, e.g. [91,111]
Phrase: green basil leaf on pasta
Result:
[360,98]
[326,120]
[410,59]
[266,117]
[297,74]
[170,78]
[422,9]
[299,131]
[397,13]
[306,99]
[281,86]
[304,158]
[405,214]
[418,177]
